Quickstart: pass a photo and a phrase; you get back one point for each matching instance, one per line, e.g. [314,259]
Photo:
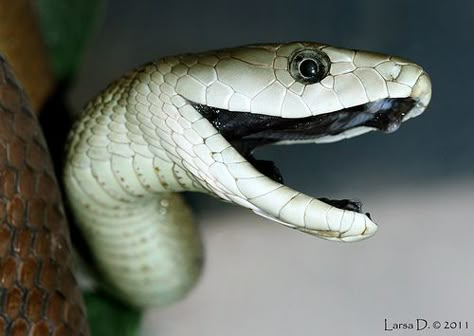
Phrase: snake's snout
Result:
[422,89]
[409,82]
[421,93]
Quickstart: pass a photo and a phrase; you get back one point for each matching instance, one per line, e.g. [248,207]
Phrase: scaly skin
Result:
[39,295]
[142,140]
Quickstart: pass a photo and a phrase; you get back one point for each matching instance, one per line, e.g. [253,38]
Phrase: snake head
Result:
[292,93]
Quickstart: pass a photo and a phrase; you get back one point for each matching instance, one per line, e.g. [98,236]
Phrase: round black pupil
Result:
[309,68]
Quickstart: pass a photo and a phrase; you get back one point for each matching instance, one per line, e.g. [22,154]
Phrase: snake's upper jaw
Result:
[408,107]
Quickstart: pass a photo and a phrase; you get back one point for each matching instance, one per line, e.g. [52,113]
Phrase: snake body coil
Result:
[191,123]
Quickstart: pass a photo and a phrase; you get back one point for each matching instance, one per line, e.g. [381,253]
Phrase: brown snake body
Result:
[38,292]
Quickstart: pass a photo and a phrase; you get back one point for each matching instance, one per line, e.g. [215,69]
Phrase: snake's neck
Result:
[120,178]
[139,133]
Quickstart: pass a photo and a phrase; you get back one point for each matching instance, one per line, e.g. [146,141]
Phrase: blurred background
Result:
[418,183]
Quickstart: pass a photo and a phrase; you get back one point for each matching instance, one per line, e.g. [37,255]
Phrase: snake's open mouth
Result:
[247,131]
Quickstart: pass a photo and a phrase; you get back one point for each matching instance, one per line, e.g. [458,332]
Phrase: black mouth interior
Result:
[247,131]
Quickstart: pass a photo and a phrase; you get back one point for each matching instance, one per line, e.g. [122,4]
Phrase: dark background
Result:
[418,183]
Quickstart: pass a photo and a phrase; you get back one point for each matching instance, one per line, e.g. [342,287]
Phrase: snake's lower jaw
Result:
[368,232]
[354,234]
[321,219]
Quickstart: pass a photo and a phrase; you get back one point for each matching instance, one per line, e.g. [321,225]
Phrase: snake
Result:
[192,122]
[39,294]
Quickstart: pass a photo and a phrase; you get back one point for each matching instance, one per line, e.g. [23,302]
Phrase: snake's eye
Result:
[309,66]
